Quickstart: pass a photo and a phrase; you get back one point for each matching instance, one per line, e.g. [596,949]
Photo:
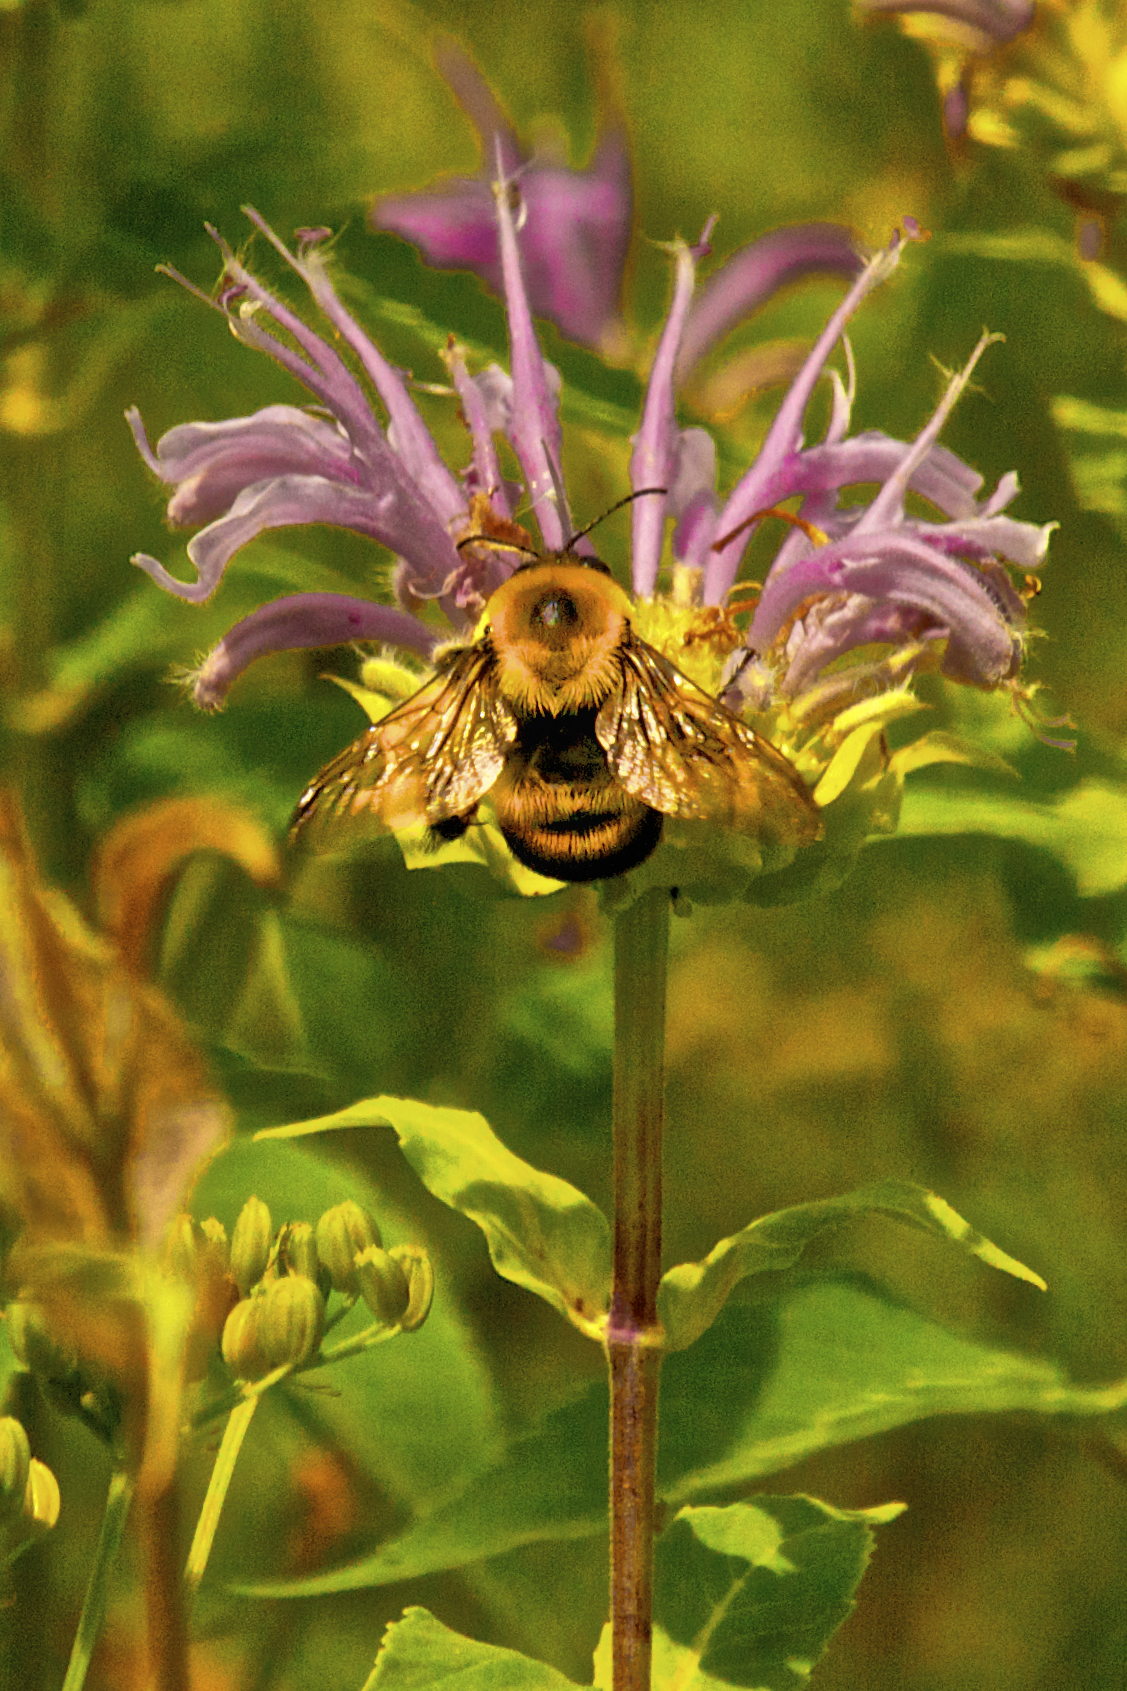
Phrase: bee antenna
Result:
[640,494]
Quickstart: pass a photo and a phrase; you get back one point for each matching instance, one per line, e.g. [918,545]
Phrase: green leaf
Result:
[829,1362]
[1086,828]
[417,1415]
[940,747]
[773,1381]
[751,1595]
[1043,247]
[542,1233]
[418,1653]
[692,1295]
[551,1484]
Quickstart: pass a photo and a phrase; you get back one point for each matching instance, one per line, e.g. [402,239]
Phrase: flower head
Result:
[859,597]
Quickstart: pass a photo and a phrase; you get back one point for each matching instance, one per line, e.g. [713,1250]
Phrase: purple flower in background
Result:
[575,228]
[575,224]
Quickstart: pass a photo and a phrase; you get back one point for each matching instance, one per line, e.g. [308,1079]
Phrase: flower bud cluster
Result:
[283,1280]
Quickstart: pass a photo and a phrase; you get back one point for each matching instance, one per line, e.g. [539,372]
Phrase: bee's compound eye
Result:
[554,610]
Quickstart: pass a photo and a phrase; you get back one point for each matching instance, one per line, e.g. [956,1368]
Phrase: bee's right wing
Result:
[683,753]
[430,760]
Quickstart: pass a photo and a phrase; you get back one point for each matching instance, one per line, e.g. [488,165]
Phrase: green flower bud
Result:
[36,1347]
[41,1498]
[416,1266]
[15,1465]
[342,1233]
[250,1244]
[299,1250]
[243,1351]
[215,1234]
[291,1320]
[383,1285]
[182,1247]
[193,1248]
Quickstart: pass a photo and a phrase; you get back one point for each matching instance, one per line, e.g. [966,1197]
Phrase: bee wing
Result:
[682,753]
[429,760]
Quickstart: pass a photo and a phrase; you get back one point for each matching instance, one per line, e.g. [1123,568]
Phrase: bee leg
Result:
[450,828]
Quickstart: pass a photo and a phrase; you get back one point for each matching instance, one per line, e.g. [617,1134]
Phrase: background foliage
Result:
[924,1022]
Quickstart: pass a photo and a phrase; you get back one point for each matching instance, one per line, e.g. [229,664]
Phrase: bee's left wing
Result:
[430,760]
[682,753]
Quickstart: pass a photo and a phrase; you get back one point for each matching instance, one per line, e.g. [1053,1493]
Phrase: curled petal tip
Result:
[194,592]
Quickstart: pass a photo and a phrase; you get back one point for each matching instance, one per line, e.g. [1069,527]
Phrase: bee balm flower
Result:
[929,592]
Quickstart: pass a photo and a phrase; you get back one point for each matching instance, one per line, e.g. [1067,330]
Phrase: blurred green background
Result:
[896,1028]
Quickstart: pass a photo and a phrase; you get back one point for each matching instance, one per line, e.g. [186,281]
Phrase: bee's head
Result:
[556,625]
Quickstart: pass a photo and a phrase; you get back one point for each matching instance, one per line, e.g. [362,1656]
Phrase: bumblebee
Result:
[583,736]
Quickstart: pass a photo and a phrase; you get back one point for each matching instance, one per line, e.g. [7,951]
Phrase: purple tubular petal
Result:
[888,506]
[940,476]
[287,502]
[841,408]
[694,469]
[996,20]
[141,441]
[427,544]
[321,370]
[302,620]
[290,501]
[895,568]
[841,623]
[751,275]
[413,441]
[653,460]
[209,464]
[1004,494]
[194,593]
[535,435]
[695,532]
[785,434]
[984,538]
[484,474]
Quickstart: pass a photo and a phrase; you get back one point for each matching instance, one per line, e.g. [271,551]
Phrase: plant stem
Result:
[118,1499]
[641,948]
[233,1435]
[165,1610]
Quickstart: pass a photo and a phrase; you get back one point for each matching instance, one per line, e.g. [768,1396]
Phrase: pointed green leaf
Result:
[418,1653]
[827,1363]
[771,1382]
[751,1595]
[542,1233]
[941,747]
[692,1295]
